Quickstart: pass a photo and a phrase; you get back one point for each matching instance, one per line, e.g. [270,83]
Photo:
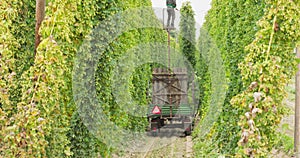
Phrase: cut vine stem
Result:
[271,38]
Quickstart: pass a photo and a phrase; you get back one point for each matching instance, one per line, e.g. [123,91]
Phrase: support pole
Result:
[39,16]
[163,14]
[169,51]
[297,110]
[169,76]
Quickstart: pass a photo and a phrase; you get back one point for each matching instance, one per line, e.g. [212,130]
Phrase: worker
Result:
[171,5]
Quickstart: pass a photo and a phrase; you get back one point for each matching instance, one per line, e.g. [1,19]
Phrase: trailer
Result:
[170,101]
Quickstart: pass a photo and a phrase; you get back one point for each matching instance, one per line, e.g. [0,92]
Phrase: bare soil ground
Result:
[170,142]
[288,123]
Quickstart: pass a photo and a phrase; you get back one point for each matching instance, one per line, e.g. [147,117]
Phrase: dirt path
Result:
[179,148]
[168,143]
[287,123]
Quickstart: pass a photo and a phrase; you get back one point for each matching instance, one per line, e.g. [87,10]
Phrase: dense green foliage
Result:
[38,115]
[232,26]
[266,70]
[187,34]
[266,64]
[212,82]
